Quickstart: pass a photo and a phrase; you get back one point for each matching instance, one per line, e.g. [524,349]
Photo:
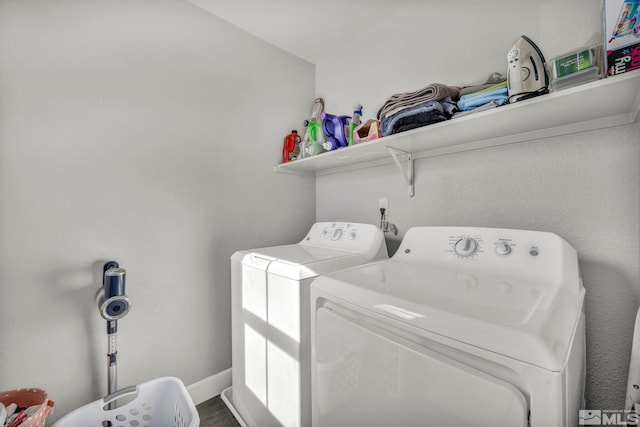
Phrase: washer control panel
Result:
[349,236]
[339,231]
[474,246]
[501,251]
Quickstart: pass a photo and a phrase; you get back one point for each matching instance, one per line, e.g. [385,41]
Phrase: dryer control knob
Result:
[466,247]
[337,234]
[503,248]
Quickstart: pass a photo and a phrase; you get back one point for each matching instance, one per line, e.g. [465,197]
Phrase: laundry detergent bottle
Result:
[315,139]
[291,146]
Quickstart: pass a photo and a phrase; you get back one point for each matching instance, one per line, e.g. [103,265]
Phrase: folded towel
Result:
[487,106]
[417,120]
[474,103]
[401,101]
[418,116]
[488,88]
[498,90]
[469,102]
[388,123]
[494,78]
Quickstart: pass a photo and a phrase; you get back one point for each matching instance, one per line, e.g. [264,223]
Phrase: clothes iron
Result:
[527,74]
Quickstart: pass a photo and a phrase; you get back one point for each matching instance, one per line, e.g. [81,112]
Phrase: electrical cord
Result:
[526,95]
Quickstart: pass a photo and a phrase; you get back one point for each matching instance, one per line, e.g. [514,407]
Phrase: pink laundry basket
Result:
[30,397]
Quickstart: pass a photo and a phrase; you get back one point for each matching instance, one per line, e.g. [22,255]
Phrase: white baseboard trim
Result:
[209,387]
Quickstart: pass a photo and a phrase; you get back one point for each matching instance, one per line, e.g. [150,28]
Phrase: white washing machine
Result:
[461,327]
[271,372]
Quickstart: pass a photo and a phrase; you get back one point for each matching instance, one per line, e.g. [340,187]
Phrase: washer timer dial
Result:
[466,247]
[337,234]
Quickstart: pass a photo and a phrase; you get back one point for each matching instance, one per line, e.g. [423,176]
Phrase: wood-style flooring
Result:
[214,413]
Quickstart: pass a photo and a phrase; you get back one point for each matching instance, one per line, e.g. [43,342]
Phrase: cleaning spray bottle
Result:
[355,121]
[313,137]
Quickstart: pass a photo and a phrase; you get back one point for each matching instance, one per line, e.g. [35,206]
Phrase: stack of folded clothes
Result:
[491,94]
[411,110]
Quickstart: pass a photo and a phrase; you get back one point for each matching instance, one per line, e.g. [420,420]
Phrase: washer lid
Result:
[299,261]
[528,320]
[295,254]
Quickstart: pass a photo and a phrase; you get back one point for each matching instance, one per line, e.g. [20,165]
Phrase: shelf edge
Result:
[312,167]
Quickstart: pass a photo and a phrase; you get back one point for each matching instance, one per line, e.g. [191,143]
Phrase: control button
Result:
[337,233]
[534,252]
[324,233]
[503,249]
[352,235]
[466,247]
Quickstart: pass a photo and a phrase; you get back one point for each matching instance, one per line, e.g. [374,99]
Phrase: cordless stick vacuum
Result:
[113,305]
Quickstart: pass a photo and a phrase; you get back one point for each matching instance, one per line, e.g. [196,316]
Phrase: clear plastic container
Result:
[577,67]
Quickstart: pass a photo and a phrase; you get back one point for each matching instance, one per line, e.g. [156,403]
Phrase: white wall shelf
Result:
[601,104]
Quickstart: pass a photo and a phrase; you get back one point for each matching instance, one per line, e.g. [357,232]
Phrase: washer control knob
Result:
[337,234]
[503,248]
[324,233]
[466,247]
[352,235]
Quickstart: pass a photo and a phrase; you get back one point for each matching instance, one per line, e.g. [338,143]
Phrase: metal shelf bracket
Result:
[407,174]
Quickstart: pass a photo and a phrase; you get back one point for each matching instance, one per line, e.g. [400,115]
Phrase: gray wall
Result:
[583,187]
[143,131]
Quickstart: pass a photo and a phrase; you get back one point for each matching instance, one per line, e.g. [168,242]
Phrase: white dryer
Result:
[271,371]
[461,327]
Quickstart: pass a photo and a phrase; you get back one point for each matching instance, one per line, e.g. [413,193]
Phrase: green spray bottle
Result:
[355,121]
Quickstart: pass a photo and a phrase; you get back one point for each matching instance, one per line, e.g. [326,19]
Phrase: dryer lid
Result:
[528,320]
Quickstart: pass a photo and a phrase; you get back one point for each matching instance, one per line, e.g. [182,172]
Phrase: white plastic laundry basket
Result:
[163,402]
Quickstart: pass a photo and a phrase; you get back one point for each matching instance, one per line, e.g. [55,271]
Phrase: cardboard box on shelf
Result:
[622,35]
[367,131]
